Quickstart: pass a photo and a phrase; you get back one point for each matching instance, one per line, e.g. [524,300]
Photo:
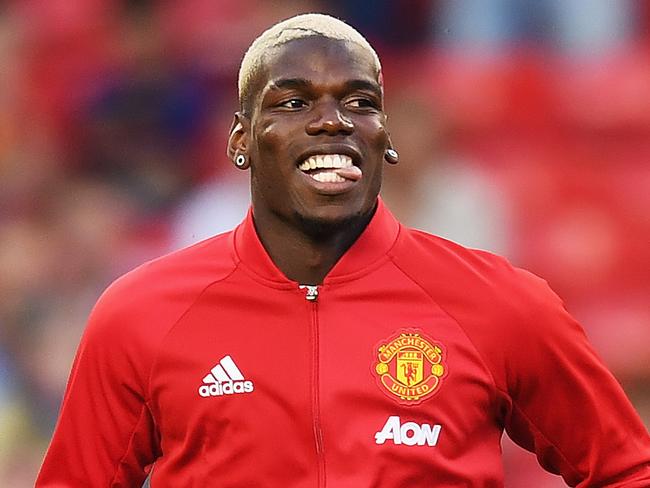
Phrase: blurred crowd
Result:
[523,128]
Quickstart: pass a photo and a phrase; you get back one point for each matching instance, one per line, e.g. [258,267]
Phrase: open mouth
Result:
[330,168]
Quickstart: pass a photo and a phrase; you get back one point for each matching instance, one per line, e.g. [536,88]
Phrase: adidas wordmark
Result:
[225,379]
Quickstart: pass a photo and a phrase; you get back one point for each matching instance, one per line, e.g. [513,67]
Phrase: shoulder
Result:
[131,319]
[446,268]
[181,271]
[505,311]
[147,301]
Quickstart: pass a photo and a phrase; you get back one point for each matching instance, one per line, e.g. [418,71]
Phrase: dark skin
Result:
[313,96]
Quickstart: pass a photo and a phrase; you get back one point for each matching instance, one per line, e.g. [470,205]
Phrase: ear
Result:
[238,138]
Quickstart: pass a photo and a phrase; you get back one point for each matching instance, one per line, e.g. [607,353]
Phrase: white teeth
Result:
[326,161]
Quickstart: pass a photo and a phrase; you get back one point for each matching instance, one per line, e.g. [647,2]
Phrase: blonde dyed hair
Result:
[298,27]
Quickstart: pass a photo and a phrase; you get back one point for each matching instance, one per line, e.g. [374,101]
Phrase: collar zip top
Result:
[311,293]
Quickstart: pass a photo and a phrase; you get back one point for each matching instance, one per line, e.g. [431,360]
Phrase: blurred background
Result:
[523,128]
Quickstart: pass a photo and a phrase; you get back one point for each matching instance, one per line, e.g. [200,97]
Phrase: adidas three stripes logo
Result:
[225,379]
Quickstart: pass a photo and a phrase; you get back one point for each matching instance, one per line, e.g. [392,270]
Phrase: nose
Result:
[329,119]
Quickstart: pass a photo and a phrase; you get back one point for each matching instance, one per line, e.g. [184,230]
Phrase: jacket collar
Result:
[370,248]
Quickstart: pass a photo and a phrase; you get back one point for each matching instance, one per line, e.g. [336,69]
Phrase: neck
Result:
[301,252]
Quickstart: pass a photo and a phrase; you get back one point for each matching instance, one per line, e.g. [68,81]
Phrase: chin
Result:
[330,221]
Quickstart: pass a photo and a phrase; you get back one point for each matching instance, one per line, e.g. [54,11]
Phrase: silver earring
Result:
[240,161]
[391,156]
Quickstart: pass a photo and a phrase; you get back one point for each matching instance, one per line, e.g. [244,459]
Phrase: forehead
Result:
[318,59]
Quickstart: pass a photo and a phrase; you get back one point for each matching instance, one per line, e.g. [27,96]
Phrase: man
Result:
[321,343]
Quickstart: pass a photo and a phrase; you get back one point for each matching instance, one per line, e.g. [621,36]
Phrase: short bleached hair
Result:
[298,27]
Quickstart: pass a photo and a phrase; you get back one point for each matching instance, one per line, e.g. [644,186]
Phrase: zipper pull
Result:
[312,292]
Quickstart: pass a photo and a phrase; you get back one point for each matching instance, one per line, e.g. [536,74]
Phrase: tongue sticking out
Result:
[353,173]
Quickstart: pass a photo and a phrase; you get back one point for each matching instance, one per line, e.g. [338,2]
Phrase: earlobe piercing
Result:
[240,161]
[391,156]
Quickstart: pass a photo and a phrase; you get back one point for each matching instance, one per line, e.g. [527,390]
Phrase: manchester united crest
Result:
[409,367]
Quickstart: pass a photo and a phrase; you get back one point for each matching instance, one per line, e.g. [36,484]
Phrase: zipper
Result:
[311,292]
[311,295]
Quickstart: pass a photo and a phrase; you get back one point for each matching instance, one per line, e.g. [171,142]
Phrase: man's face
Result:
[317,133]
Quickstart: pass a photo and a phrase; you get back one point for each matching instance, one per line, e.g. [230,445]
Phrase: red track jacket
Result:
[402,369]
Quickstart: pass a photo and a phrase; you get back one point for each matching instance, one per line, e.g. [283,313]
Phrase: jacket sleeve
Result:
[565,406]
[105,435]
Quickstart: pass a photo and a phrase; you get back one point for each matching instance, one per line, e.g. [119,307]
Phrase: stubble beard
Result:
[320,229]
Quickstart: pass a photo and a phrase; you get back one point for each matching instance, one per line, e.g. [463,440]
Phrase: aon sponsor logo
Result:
[409,433]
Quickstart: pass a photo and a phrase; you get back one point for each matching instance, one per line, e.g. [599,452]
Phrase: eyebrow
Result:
[301,83]
[289,83]
[364,85]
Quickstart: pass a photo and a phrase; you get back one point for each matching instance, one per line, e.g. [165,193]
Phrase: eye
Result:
[294,103]
[361,103]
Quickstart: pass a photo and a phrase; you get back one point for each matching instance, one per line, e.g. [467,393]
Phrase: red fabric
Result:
[513,358]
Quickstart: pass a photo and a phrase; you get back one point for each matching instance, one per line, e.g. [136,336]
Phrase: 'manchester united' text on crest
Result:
[409,367]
